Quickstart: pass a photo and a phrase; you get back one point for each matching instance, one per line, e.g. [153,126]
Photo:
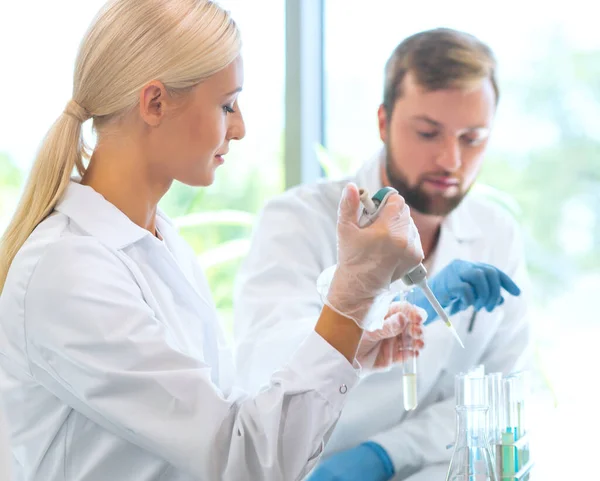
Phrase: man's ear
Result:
[382,120]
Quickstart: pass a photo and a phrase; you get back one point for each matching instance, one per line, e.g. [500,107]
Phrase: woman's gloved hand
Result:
[381,349]
[367,462]
[370,258]
[462,284]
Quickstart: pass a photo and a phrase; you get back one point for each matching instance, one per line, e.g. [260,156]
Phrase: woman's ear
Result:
[153,98]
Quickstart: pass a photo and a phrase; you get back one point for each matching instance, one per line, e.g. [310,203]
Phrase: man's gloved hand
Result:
[366,462]
[462,284]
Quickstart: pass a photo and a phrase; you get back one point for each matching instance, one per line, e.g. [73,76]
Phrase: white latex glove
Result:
[402,327]
[370,258]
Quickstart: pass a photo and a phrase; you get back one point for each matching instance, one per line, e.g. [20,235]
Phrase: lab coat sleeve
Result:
[421,440]
[276,299]
[95,344]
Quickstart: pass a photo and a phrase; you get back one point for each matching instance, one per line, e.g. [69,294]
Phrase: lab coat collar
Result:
[459,223]
[95,215]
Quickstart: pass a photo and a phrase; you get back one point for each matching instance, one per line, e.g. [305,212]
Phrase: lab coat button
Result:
[343,389]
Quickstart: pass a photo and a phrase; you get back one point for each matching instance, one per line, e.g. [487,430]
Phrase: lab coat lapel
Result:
[178,268]
[185,263]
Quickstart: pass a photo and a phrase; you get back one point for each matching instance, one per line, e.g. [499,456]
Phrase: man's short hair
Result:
[439,59]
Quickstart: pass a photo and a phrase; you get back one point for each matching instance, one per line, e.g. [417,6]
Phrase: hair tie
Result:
[77,111]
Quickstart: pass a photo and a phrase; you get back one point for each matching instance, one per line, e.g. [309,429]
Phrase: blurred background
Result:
[313,82]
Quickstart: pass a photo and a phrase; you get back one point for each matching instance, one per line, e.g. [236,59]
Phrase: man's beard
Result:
[416,197]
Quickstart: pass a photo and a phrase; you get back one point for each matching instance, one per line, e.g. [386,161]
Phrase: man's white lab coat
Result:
[277,304]
[113,366]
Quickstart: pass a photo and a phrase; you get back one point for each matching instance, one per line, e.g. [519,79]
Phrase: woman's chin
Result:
[203,180]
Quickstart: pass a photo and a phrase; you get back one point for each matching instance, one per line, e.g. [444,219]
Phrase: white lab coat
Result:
[276,303]
[5,452]
[114,368]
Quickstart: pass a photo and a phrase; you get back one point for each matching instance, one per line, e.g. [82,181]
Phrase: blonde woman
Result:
[112,360]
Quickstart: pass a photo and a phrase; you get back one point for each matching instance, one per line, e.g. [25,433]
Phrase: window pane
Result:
[37,80]
[253,169]
[544,154]
[39,86]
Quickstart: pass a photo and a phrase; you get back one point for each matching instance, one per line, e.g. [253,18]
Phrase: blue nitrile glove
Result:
[462,284]
[366,462]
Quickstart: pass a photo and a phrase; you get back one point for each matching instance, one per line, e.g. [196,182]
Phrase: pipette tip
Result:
[455,334]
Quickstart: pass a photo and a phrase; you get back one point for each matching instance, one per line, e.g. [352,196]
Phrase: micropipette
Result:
[418,276]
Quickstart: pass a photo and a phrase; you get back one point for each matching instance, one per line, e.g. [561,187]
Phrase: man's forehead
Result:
[410,87]
[433,122]
[459,108]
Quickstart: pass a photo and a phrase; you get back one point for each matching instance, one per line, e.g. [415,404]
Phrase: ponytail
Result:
[61,151]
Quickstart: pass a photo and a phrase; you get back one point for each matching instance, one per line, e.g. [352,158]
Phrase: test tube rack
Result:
[520,446]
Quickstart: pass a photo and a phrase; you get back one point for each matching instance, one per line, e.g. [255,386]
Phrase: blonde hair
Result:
[129,43]
[439,59]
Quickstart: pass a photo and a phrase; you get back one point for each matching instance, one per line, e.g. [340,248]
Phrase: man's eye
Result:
[427,135]
[473,140]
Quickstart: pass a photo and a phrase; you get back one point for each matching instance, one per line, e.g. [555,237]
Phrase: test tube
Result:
[477,371]
[522,388]
[510,403]
[496,412]
[520,385]
[409,384]
[510,458]
[409,369]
